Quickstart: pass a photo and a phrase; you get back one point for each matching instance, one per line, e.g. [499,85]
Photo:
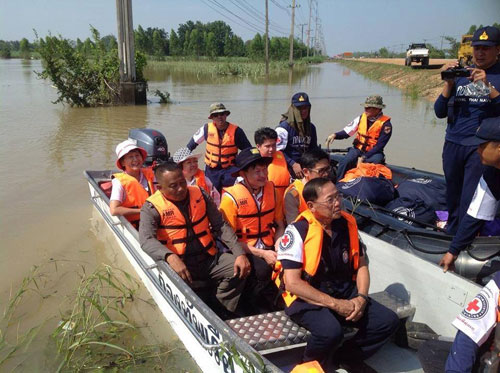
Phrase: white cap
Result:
[184,154]
[126,147]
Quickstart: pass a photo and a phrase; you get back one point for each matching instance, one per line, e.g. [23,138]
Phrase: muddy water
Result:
[47,219]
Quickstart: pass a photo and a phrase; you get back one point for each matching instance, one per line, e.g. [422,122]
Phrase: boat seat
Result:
[275,330]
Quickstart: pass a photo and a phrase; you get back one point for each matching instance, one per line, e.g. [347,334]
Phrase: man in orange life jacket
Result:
[324,281]
[314,163]
[277,171]
[194,176]
[252,209]
[131,187]
[373,130]
[223,141]
[179,224]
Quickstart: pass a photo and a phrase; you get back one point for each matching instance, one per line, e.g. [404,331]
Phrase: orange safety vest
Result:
[172,231]
[368,170]
[220,152]
[308,367]
[312,251]
[254,222]
[298,186]
[135,194]
[366,138]
[200,180]
[277,171]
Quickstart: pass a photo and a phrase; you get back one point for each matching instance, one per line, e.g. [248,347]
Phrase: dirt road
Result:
[401,61]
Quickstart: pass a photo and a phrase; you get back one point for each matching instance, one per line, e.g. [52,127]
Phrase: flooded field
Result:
[47,218]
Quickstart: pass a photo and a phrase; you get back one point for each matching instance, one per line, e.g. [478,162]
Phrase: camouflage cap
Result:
[218,107]
[374,101]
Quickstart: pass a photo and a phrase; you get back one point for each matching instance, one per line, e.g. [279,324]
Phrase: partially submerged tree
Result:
[86,74]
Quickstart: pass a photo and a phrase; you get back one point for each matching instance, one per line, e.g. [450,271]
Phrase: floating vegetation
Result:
[164,96]
[97,334]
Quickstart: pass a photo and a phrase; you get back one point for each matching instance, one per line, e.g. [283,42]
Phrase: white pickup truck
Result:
[417,52]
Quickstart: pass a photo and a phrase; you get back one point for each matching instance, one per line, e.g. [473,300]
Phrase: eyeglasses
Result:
[331,201]
[322,171]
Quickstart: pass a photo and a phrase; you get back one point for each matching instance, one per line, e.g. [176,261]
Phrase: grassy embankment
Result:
[230,66]
[416,83]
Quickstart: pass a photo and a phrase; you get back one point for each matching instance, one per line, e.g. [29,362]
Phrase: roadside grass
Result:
[415,83]
[228,66]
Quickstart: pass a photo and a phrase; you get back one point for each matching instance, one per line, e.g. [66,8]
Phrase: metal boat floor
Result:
[275,330]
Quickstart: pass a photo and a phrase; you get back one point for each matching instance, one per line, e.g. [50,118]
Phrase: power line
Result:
[248,26]
[251,11]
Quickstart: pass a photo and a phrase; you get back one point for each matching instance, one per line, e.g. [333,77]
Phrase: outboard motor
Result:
[153,142]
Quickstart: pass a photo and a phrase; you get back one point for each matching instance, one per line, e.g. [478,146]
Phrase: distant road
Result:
[401,61]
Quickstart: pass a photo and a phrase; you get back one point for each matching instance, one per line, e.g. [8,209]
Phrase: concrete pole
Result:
[309,27]
[290,60]
[126,48]
[267,37]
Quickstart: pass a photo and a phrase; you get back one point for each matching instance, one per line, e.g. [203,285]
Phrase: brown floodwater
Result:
[47,219]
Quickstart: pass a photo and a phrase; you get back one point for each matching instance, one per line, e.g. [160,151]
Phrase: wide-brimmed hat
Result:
[183,154]
[488,36]
[375,101]
[217,107]
[300,99]
[126,147]
[489,130]
[246,158]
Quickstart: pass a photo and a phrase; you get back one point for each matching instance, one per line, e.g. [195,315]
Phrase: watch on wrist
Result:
[365,297]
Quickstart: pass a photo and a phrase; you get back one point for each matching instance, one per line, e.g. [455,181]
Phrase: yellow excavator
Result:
[465,50]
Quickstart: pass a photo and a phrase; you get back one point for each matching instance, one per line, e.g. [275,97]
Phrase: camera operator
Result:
[465,105]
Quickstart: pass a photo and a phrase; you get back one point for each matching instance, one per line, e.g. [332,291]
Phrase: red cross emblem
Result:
[285,240]
[472,306]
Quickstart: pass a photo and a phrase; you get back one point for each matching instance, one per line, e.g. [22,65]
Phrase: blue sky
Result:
[348,25]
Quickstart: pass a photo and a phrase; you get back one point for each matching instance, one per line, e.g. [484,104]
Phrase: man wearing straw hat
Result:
[223,141]
[373,130]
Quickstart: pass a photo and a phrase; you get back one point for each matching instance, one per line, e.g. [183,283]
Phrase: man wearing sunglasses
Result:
[324,282]
[223,141]
[314,163]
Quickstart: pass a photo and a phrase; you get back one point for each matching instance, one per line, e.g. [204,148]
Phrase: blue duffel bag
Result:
[413,208]
[376,190]
[431,191]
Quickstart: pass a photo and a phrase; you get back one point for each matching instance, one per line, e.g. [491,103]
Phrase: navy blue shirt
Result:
[334,273]
[292,144]
[464,112]
[487,193]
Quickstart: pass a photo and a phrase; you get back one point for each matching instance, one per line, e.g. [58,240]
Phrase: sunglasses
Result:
[219,114]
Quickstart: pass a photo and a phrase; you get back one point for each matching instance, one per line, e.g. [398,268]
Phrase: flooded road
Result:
[47,219]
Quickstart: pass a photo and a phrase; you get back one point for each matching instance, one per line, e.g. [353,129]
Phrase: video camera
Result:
[455,72]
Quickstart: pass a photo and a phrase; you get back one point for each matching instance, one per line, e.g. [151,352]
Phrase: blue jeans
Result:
[351,158]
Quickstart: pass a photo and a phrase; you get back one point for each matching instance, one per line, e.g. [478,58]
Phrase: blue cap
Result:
[300,99]
[488,36]
[489,130]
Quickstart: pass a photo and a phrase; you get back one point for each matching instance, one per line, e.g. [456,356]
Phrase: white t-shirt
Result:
[119,194]
[484,205]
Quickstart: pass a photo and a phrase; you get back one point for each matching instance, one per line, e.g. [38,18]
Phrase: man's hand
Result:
[297,170]
[448,262]
[242,266]
[270,256]
[179,267]
[330,139]
[359,309]
[477,75]
[343,307]
[447,66]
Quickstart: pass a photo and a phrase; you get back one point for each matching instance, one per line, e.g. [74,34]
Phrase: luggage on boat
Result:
[431,191]
[376,190]
[368,170]
[413,208]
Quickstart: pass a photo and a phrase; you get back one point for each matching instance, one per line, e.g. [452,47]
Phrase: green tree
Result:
[196,46]
[211,45]
[383,52]
[175,45]
[25,49]
[4,49]
[158,44]
[454,45]
[256,47]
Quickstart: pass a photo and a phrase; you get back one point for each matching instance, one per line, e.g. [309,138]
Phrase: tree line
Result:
[434,52]
[192,39]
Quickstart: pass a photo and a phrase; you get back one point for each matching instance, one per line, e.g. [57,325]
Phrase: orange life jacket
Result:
[297,187]
[254,222]
[313,244]
[172,231]
[201,181]
[308,367]
[368,170]
[135,194]
[220,152]
[366,138]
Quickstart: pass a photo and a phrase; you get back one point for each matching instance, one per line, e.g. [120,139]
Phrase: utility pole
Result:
[301,25]
[309,28]
[267,37]
[290,60]
[442,36]
[131,92]
[316,30]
